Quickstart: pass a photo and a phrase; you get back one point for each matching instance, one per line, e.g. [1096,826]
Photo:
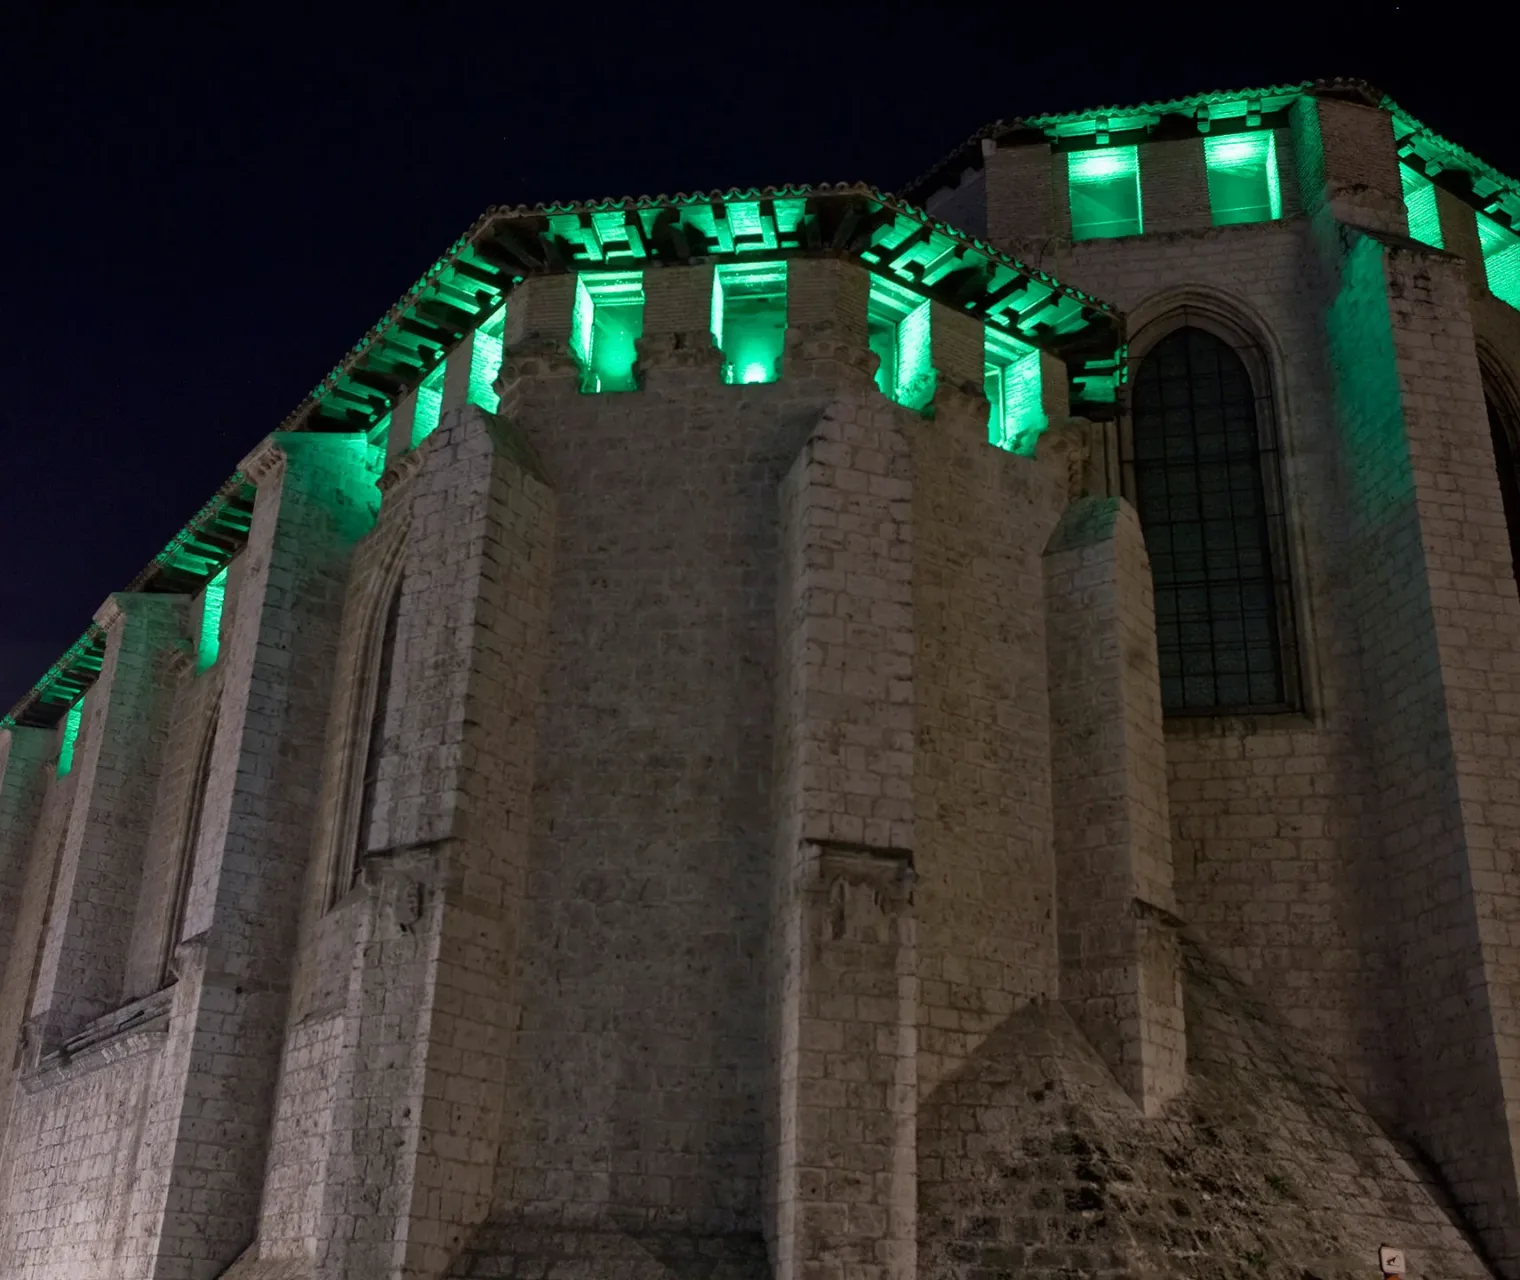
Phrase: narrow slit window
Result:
[429,405]
[485,360]
[189,839]
[374,745]
[607,321]
[1501,259]
[899,332]
[1243,182]
[1420,202]
[1016,414]
[212,600]
[1105,193]
[70,737]
[749,320]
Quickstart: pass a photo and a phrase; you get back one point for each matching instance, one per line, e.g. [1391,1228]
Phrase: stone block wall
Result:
[1267,813]
[762,810]
[23,782]
[1115,907]
[981,781]
[844,933]
[1436,597]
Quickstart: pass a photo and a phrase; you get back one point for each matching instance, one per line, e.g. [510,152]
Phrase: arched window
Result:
[373,744]
[1505,434]
[190,834]
[1202,469]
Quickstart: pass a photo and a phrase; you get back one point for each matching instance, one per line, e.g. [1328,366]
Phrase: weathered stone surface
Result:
[723,832]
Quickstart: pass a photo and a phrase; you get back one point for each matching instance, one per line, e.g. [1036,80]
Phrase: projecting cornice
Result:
[885,234]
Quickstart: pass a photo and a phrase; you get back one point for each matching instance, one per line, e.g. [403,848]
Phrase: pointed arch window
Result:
[1202,469]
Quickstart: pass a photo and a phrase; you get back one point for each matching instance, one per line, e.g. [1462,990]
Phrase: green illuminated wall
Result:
[1105,193]
[1420,201]
[70,737]
[899,333]
[1243,181]
[1016,414]
[607,320]
[1501,259]
[429,405]
[485,361]
[749,320]
[211,620]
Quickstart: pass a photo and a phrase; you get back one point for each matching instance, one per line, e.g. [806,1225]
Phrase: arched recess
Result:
[1501,396]
[184,867]
[362,724]
[1200,454]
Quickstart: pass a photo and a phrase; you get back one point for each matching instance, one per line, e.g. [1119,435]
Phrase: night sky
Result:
[203,214]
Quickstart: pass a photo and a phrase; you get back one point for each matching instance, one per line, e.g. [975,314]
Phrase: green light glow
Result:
[1017,411]
[485,361]
[1105,193]
[70,736]
[429,405]
[607,320]
[1501,260]
[729,226]
[1243,178]
[211,620]
[899,332]
[1420,201]
[749,320]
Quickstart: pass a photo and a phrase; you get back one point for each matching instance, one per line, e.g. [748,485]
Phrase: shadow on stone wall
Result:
[510,1251]
[1034,1162]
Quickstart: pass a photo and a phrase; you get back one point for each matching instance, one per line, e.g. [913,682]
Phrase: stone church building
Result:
[818,734]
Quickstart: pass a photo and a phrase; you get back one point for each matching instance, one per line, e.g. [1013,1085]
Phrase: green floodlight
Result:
[212,599]
[1104,192]
[1501,259]
[1016,415]
[485,360]
[70,737]
[1243,177]
[1420,203]
[899,332]
[607,320]
[429,405]
[749,320]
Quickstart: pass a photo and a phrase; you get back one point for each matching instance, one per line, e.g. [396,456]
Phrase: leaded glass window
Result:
[1206,491]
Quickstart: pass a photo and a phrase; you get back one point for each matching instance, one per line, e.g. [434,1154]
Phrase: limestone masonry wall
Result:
[732,831]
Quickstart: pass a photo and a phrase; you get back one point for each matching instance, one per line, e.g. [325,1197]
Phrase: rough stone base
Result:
[1034,1162]
[519,1252]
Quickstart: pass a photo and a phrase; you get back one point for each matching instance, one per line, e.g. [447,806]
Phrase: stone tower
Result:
[777,734]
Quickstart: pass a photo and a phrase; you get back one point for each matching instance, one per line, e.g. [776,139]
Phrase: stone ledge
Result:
[139,1027]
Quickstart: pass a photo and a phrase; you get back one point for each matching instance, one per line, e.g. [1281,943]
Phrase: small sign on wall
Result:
[1391,1260]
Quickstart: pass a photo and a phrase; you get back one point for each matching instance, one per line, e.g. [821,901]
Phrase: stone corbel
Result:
[265,462]
[178,659]
[188,957]
[110,614]
[402,468]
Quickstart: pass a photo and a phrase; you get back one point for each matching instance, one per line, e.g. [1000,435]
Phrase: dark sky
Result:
[202,214]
